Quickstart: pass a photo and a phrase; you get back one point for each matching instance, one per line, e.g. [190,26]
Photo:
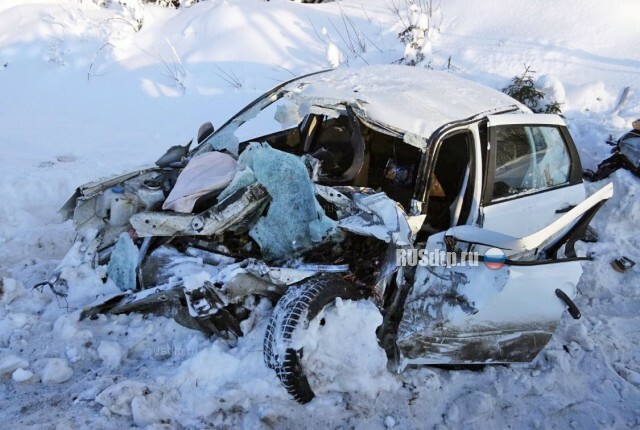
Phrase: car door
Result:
[498,307]
[533,169]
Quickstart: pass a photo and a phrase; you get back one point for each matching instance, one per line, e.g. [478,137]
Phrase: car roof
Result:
[408,99]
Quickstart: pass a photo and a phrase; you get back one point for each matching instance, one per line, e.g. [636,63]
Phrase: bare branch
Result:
[229,77]
[95,56]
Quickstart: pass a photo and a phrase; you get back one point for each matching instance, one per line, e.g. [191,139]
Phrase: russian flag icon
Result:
[494,258]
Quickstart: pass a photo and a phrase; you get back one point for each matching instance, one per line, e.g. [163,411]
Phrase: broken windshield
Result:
[280,115]
[225,138]
[281,109]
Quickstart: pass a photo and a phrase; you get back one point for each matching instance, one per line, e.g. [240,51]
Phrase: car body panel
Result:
[506,216]
[469,314]
[483,315]
[536,239]
[525,119]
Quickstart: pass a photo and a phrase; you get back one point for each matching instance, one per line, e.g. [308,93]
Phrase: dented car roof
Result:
[409,99]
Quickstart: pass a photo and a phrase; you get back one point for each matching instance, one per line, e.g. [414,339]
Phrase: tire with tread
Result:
[300,305]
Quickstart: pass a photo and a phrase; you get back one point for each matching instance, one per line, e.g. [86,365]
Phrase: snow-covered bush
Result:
[169,3]
[523,89]
[164,3]
[183,3]
[421,20]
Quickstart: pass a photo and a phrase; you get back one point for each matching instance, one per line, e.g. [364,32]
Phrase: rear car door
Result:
[533,168]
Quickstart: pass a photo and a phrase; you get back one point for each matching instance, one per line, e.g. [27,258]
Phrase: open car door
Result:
[498,310]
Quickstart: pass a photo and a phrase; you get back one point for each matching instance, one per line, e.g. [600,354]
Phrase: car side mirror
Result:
[205,131]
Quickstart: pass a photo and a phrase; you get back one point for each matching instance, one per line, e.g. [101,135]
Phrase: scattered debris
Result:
[123,263]
[626,155]
[622,264]
[175,154]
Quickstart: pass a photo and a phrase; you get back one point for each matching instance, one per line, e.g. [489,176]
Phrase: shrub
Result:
[420,20]
[523,89]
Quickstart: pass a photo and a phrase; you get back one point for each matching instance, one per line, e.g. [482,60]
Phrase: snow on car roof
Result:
[411,99]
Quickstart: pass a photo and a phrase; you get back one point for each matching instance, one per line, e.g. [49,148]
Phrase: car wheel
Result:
[297,307]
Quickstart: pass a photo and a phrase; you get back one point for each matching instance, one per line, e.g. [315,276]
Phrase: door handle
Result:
[565,209]
[571,307]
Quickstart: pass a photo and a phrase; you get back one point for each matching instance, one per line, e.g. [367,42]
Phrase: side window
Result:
[529,158]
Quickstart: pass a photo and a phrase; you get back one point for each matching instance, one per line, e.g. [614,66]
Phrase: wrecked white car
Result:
[345,184]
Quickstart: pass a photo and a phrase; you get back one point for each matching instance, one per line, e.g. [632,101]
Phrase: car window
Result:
[529,158]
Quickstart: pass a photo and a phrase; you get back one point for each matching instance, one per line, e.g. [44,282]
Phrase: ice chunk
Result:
[117,398]
[66,328]
[389,422]
[150,409]
[204,174]
[10,289]
[578,333]
[473,406]
[124,260]
[295,221]
[56,371]
[10,363]
[21,375]
[333,55]
[110,353]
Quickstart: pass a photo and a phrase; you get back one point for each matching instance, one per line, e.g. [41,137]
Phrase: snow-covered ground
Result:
[85,95]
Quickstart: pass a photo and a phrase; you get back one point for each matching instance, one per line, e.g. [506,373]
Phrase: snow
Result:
[85,96]
[389,422]
[411,99]
[21,375]
[333,55]
[11,289]
[110,353]
[10,363]
[117,398]
[343,353]
[55,371]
